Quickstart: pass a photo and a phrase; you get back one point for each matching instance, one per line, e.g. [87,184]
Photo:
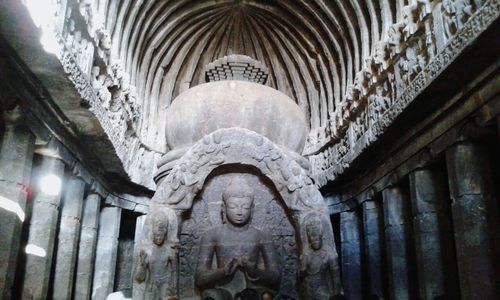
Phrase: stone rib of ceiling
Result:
[313,49]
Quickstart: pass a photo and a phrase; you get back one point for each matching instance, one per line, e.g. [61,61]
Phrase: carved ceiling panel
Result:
[351,66]
[312,48]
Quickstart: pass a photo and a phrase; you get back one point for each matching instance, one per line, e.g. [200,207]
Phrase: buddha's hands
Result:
[251,269]
[231,267]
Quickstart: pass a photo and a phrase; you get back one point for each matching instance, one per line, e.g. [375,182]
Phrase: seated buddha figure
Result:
[235,255]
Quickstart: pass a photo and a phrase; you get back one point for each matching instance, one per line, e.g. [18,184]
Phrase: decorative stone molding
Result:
[408,66]
[116,113]
[237,67]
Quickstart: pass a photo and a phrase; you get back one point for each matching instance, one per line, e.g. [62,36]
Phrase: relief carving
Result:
[318,267]
[206,242]
[244,256]
[408,60]
[157,264]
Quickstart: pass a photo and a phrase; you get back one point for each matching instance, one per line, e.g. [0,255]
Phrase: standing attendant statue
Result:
[157,264]
[244,256]
[317,264]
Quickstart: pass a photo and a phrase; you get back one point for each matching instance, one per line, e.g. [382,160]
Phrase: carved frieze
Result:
[400,69]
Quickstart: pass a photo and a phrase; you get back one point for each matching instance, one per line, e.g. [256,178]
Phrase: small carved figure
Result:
[395,38]
[103,38]
[317,264]
[449,21]
[380,102]
[361,84]
[237,247]
[382,56]
[425,8]
[410,20]
[157,265]
[95,76]
[463,11]
[430,42]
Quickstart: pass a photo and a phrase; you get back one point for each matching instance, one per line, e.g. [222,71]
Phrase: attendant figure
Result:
[318,265]
[157,265]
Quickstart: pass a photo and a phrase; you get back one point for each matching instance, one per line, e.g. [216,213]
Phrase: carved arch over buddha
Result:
[285,169]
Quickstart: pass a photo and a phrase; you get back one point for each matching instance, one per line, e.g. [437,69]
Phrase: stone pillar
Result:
[106,253]
[69,234]
[42,231]
[429,196]
[351,254]
[124,267]
[474,211]
[87,247]
[396,201]
[372,222]
[137,288]
[139,225]
[16,155]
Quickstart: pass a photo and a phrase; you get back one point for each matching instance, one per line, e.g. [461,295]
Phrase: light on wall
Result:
[43,13]
[51,184]
[35,250]
[12,206]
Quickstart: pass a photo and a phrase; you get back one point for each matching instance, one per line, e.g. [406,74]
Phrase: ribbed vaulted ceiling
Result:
[312,48]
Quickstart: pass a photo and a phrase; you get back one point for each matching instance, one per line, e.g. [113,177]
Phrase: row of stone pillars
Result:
[68,233]
[413,239]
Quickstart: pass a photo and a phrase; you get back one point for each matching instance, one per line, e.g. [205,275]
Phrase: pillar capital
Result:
[424,159]
[467,132]
[97,188]
[392,180]
[13,117]
[366,195]
[81,172]
[52,148]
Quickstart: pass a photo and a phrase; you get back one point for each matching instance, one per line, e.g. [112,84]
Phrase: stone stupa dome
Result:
[235,101]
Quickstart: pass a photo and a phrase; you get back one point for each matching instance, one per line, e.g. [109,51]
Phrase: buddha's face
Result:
[314,236]
[159,231]
[238,210]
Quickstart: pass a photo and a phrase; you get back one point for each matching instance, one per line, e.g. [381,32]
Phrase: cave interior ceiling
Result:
[328,56]
[312,48]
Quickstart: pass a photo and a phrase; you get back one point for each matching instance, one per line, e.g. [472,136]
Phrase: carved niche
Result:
[284,199]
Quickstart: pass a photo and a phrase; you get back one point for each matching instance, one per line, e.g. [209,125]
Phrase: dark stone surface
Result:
[124,267]
[397,236]
[69,234]
[374,238]
[431,227]
[87,247]
[475,219]
[351,253]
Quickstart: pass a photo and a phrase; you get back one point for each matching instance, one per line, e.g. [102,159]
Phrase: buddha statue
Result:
[235,255]
[157,265]
[317,265]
